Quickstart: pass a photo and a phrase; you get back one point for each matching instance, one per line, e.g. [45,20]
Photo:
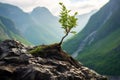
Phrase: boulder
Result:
[48,63]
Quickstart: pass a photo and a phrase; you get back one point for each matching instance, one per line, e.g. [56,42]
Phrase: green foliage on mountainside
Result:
[103,56]
[95,22]
[3,35]
[72,44]
[38,27]
[20,38]
[9,31]
[102,50]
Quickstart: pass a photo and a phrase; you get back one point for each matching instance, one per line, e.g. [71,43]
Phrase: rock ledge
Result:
[47,64]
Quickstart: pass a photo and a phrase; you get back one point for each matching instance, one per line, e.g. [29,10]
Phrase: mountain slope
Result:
[49,25]
[3,35]
[99,42]
[9,31]
[39,26]
[35,26]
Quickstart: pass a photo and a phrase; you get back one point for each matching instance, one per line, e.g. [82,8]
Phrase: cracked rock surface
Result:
[17,64]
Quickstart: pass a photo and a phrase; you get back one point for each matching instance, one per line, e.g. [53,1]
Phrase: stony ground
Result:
[17,64]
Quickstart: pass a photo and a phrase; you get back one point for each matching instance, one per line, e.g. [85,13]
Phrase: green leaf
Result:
[66,20]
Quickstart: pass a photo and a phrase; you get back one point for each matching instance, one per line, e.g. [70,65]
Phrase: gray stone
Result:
[17,64]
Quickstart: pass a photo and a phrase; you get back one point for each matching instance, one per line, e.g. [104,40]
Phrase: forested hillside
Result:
[98,44]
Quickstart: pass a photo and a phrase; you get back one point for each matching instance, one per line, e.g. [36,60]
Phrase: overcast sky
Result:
[81,6]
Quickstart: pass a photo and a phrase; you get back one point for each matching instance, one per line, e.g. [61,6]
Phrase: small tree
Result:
[67,21]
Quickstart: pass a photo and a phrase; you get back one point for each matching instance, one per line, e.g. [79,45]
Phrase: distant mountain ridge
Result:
[39,26]
[98,44]
[48,23]
[33,30]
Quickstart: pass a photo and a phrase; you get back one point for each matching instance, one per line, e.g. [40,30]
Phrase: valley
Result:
[98,44]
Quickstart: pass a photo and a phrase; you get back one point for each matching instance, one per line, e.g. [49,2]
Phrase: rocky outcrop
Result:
[50,63]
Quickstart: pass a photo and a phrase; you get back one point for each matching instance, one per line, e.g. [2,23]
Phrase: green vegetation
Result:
[103,56]
[36,50]
[3,35]
[46,50]
[102,53]
[52,51]
[9,31]
[19,38]
[41,48]
[67,21]
[73,43]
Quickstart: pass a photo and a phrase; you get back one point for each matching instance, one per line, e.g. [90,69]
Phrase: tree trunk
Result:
[63,39]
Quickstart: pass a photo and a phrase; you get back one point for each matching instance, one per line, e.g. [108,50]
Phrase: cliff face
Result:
[49,63]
